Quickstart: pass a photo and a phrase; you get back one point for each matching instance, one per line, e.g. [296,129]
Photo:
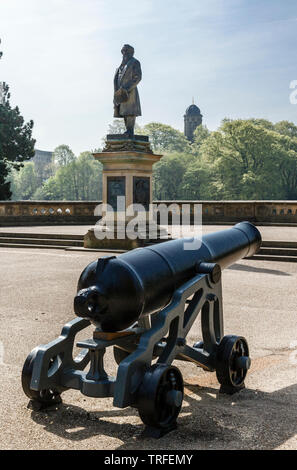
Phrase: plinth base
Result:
[121,240]
[126,188]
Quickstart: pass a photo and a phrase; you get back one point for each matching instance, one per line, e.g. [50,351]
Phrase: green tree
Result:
[49,191]
[197,181]
[168,176]
[117,127]
[16,143]
[25,182]
[90,177]
[243,158]
[285,156]
[79,180]
[165,138]
[286,128]
[261,122]
[201,133]
[63,155]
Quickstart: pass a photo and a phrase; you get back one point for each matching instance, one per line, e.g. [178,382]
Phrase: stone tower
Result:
[193,119]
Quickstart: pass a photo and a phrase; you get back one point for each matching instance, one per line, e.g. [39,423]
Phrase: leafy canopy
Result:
[243,159]
[16,142]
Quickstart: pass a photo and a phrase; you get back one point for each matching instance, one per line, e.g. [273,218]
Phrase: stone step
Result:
[278,251]
[288,259]
[25,245]
[41,241]
[55,236]
[270,250]
[99,250]
[278,244]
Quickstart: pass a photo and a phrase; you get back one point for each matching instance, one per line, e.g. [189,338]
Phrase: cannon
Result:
[143,304]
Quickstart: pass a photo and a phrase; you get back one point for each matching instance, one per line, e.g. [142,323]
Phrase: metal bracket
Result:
[175,320]
[46,375]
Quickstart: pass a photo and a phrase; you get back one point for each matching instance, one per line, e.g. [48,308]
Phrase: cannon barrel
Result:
[114,292]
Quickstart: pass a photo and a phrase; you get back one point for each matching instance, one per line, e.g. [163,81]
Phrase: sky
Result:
[237,59]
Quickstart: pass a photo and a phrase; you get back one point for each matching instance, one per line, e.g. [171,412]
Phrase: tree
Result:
[5,192]
[285,152]
[90,180]
[165,138]
[286,128]
[201,133]
[117,127]
[168,176]
[197,181]
[49,191]
[261,122]
[63,155]
[16,143]
[244,158]
[24,182]
[79,180]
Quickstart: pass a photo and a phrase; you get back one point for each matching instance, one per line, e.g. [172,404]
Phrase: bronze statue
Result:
[126,97]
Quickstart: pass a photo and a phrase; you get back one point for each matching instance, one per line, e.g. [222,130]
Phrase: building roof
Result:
[192,110]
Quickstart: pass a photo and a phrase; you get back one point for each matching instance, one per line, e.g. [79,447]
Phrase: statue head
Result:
[127,50]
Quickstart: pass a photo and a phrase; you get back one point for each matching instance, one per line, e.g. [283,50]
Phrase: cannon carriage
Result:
[143,304]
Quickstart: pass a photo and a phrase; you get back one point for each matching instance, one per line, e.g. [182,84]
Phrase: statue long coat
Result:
[130,79]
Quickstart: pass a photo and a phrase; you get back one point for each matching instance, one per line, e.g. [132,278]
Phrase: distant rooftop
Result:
[192,110]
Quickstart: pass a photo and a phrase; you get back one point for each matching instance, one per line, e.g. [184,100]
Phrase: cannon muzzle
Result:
[114,292]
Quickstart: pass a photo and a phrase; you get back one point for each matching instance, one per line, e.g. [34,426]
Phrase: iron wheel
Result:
[160,396]
[45,397]
[232,363]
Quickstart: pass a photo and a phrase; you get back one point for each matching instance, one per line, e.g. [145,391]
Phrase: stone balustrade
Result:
[266,212]
[47,212]
[14,213]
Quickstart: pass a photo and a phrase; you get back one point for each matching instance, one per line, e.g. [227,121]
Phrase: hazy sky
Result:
[236,57]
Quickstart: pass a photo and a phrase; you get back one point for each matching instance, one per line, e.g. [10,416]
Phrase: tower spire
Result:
[193,119]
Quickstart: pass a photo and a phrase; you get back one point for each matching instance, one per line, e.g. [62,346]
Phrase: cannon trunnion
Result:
[143,303]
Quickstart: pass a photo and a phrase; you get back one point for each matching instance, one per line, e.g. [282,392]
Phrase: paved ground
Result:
[36,295]
[267,232]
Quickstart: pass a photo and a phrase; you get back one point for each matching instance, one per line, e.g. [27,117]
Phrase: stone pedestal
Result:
[127,171]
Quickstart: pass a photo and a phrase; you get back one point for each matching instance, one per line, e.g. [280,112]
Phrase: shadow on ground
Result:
[253,269]
[248,420]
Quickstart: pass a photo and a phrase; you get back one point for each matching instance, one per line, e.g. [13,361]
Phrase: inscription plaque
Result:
[141,191]
[115,187]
